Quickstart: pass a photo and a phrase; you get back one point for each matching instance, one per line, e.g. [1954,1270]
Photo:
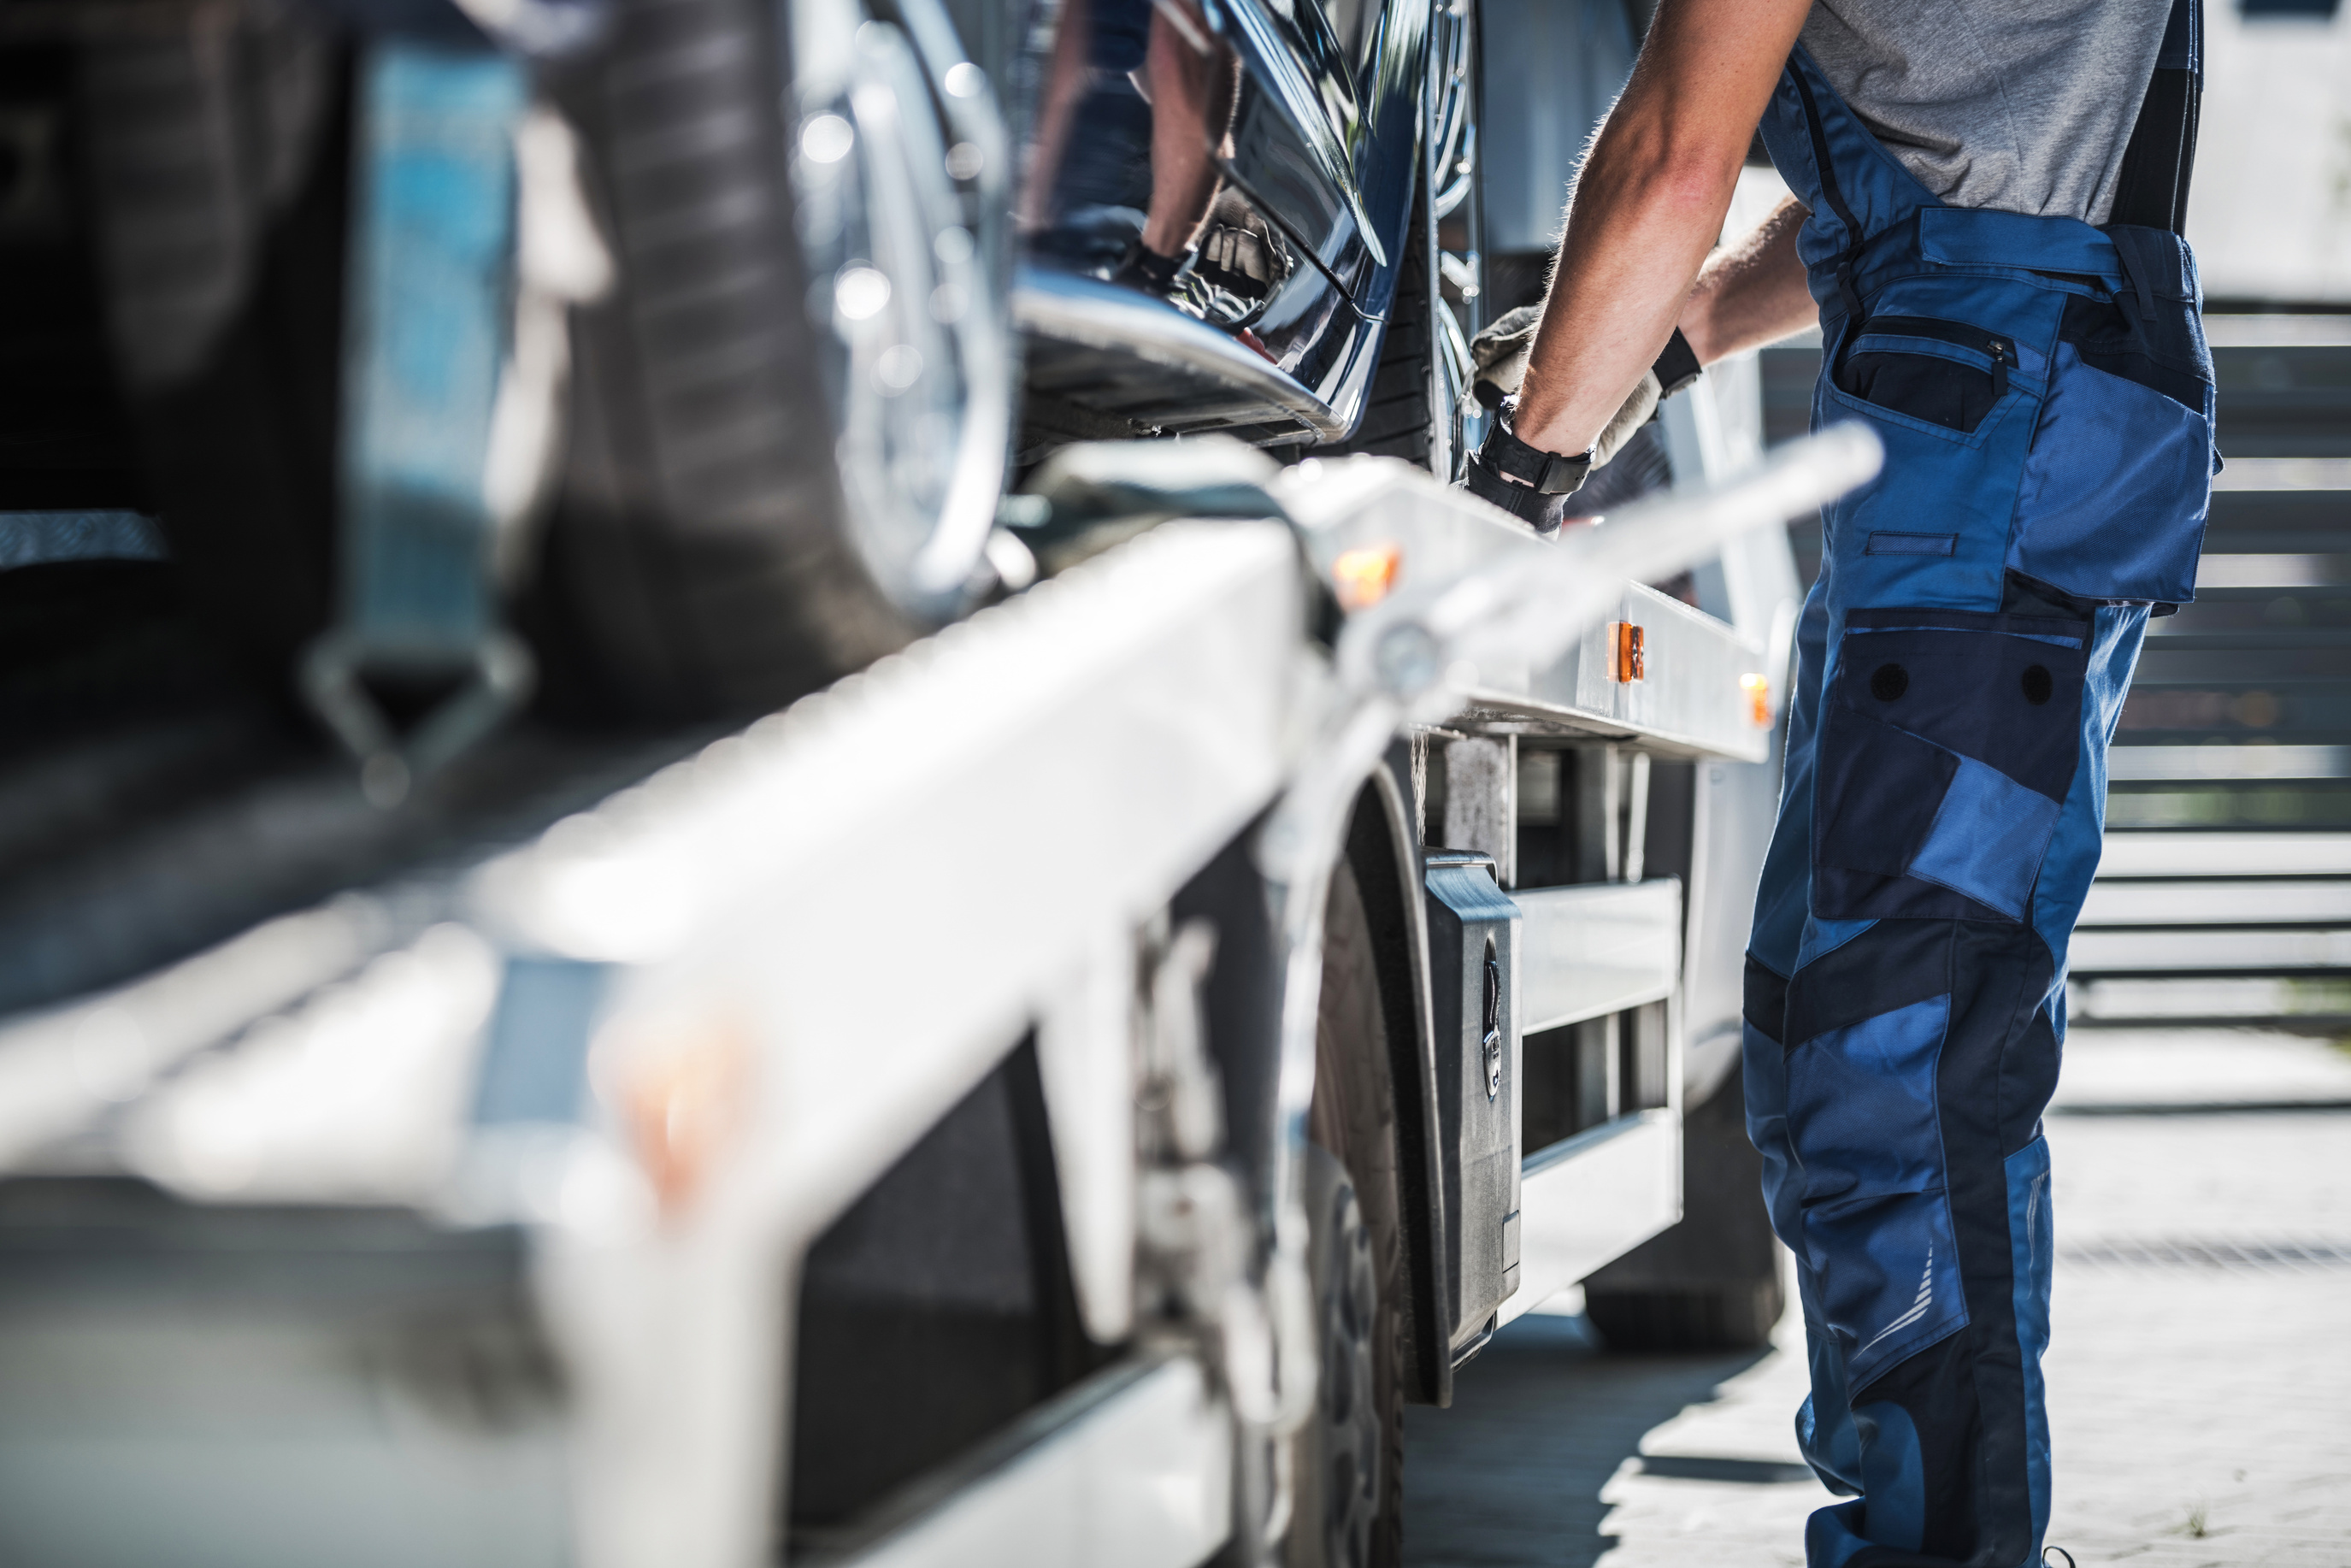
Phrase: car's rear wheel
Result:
[1413,409]
[787,419]
[790,415]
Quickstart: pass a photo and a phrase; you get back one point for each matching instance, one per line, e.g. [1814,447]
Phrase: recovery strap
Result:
[431,280]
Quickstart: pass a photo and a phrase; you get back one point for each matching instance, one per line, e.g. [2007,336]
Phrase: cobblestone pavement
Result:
[2199,1378]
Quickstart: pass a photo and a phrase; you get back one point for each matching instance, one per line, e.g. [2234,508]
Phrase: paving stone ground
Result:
[2199,1379]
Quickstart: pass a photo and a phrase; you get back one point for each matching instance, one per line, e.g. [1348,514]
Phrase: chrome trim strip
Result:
[1096,315]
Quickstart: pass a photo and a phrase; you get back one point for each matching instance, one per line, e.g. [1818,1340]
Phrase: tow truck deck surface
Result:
[617,1073]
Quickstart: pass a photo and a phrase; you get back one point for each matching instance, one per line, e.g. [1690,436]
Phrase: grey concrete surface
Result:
[2199,1378]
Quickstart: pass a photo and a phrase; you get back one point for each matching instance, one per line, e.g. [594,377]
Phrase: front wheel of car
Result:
[1413,409]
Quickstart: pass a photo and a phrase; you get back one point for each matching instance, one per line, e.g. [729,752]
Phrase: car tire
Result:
[1348,1460]
[213,190]
[1406,413]
[725,529]
[704,552]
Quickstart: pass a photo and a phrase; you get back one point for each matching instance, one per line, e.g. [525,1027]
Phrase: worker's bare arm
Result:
[1647,207]
[1752,291]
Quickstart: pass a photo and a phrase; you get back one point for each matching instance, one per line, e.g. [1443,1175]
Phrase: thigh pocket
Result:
[1876,1216]
[1947,749]
[2118,481]
[1926,374]
[1944,374]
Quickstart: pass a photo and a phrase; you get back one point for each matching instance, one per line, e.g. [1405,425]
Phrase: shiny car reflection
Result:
[1228,213]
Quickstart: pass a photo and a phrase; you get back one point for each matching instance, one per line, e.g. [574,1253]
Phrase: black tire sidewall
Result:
[1352,1127]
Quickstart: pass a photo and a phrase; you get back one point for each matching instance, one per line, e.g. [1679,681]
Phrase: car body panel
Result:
[1314,178]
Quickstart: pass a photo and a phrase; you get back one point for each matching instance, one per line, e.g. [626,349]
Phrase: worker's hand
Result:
[1639,406]
[1499,355]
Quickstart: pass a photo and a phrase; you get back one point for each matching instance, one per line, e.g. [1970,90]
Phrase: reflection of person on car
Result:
[1190,79]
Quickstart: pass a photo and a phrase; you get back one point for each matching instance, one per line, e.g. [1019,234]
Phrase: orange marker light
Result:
[1759,699]
[680,1094]
[1628,652]
[1363,576]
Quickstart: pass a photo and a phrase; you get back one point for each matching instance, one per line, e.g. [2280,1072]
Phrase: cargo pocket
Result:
[1943,376]
[1946,752]
[2118,480]
[1875,1215]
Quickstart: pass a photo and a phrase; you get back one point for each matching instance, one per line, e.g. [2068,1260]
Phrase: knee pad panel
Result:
[1948,746]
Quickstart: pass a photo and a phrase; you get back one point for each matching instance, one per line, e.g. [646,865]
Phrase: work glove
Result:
[1525,480]
[1499,355]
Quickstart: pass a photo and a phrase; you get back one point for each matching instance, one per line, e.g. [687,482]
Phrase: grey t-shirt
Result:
[2023,105]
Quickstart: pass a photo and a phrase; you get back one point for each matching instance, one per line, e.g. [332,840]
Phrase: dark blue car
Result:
[1229,218]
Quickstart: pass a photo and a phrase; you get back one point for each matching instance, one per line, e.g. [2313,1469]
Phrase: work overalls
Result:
[2044,395]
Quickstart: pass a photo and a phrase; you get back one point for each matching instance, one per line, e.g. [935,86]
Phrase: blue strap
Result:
[39,538]
[2183,39]
[431,276]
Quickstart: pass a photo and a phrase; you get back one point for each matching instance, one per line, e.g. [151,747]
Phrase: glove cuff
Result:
[1545,473]
[1676,367]
[1144,269]
[1537,511]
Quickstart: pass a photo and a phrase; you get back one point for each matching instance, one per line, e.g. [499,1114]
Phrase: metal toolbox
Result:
[1471,991]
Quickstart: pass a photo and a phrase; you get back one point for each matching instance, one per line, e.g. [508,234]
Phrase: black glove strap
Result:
[1545,473]
[1533,508]
[1677,366]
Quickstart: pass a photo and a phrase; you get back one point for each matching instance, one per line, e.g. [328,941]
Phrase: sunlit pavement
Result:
[2199,1381]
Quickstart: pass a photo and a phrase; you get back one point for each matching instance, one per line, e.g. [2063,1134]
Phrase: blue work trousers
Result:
[2045,396]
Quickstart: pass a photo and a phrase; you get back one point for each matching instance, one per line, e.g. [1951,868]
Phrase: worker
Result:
[1987,201]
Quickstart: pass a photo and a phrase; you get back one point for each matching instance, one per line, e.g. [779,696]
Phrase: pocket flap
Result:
[1980,236]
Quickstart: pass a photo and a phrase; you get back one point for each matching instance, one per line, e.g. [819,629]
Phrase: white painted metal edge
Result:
[2130,854]
[2162,952]
[1138,1474]
[1584,951]
[1593,1198]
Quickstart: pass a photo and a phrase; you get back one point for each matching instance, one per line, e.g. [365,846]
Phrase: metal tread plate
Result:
[1004,799]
